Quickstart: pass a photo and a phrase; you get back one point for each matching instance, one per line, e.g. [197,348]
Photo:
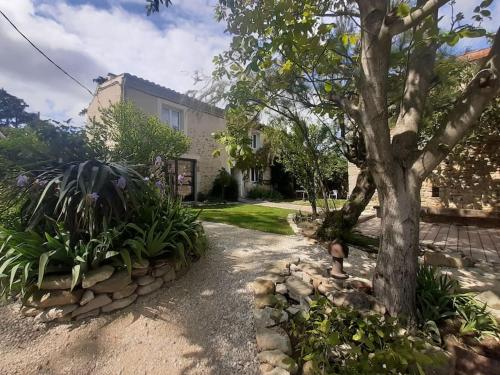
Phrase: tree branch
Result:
[397,25]
[464,116]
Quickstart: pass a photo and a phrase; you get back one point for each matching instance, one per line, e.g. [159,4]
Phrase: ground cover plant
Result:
[249,216]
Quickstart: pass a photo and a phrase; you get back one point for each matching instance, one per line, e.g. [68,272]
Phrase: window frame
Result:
[165,107]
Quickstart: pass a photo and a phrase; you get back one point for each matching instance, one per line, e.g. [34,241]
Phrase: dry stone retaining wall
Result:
[287,288]
[102,290]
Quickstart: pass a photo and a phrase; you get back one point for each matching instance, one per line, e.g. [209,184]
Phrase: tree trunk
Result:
[346,218]
[394,280]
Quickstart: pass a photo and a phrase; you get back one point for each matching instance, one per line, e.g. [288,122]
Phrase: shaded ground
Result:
[202,324]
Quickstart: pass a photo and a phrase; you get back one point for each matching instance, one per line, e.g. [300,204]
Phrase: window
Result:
[435,192]
[173,117]
[255,174]
[255,141]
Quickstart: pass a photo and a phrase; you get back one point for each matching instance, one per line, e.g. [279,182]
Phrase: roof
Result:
[474,55]
[130,80]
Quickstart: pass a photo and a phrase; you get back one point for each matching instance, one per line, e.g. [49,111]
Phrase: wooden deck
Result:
[475,242]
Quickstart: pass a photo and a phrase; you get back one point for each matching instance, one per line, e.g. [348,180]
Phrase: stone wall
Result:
[469,179]
[102,290]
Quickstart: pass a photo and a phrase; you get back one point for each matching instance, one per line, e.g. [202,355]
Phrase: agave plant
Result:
[88,197]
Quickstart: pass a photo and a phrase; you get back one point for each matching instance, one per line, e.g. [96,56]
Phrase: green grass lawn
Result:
[319,202]
[249,216]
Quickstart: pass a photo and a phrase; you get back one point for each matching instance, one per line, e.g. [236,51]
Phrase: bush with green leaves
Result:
[225,187]
[259,192]
[438,299]
[163,229]
[27,257]
[340,340]
[124,133]
[87,197]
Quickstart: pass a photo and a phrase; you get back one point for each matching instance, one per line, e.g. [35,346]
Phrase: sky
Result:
[92,38]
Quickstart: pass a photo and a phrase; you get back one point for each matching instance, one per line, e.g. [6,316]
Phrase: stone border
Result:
[103,290]
[291,221]
[287,288]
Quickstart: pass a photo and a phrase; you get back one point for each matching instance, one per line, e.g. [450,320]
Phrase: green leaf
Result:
[75,275]
[403,10]
[126,259]
[42,264]
[328,87]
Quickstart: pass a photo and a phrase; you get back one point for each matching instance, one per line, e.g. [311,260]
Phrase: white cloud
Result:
[89,42]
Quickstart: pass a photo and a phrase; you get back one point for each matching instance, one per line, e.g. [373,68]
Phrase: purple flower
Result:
[93,197]
[159,184]
[121,183]
[40,182]
[146,178]
[22,181]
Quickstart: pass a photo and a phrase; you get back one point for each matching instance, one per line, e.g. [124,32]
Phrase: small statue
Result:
[338,250]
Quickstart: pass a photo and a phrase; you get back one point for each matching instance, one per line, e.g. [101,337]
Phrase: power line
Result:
[47,57]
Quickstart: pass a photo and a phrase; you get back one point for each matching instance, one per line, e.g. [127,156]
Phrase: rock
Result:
[445,260]
[281,300]
[358,283]
[143,264]
[55,313]
[278,359]
[56,282]
[125,292]
[492,303]
[93,277]
[356,300]
[45,299]
[138,272]
[99,301]
[88,295]
[263,286]
[280,268]
[490,298]
[297,288]
[119,303]
[273,338]
[281,288]
[162,270]
[88,314]
[292,310]
[169,276]
[269,317]
[146,289]
[308,368]
[313,269]
[265,368]
[265,300]
[29,311]
[115,283]
[277,371]
[145,280]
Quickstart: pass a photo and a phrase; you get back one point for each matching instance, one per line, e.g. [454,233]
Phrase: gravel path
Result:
[202,324]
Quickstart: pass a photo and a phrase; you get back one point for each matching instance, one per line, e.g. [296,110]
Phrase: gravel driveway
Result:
[202,324]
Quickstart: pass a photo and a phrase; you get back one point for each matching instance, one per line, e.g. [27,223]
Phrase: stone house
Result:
[198,120]
[465,186]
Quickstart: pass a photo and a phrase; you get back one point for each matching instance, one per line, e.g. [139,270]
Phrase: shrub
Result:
[225,187]
[259,192]
[26,257]
[86,197]
[438,300]
[125,133]
[340,340]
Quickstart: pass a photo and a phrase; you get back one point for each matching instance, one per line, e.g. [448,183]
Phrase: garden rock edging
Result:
[287,288]
[102,290]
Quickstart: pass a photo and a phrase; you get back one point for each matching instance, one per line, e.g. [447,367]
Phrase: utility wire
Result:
[44,55]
